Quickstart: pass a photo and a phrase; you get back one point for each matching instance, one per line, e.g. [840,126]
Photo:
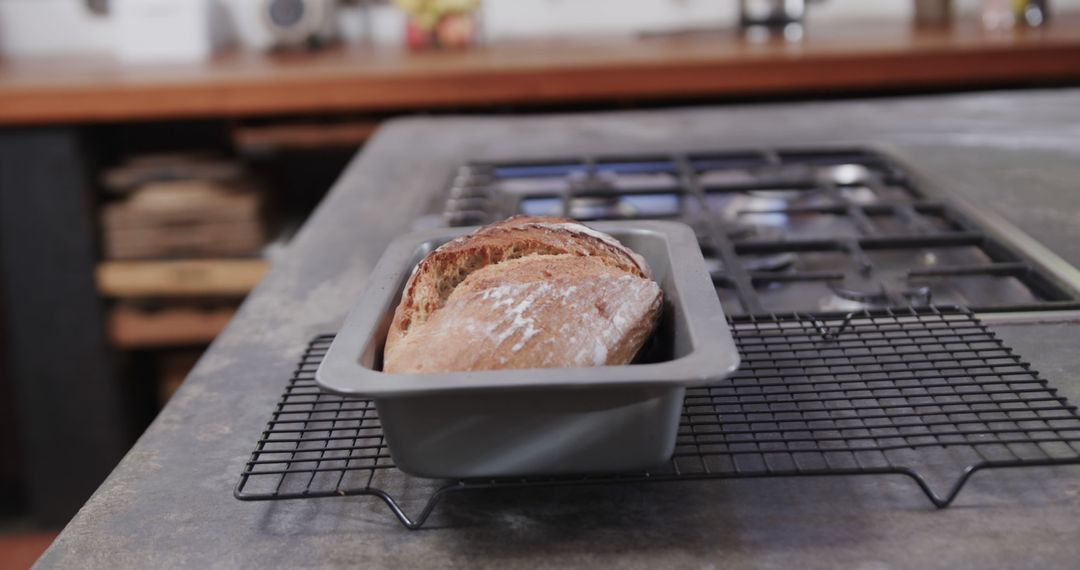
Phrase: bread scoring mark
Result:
[576,227]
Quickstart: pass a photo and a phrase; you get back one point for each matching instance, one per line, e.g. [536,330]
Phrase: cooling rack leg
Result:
[943,502]
[422,516]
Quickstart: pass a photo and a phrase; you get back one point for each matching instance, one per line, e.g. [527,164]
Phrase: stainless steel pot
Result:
[771,13]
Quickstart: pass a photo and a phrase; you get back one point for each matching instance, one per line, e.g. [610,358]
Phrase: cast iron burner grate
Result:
[930,393]
[785,230]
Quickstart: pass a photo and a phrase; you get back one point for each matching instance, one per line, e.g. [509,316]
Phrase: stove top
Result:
[816,231]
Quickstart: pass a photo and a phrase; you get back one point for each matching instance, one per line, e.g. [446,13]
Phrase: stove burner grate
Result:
[769,218]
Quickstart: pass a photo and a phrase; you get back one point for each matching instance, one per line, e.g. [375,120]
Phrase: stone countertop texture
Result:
[169,504]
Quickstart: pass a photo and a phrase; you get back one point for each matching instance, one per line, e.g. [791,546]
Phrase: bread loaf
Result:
[528,292]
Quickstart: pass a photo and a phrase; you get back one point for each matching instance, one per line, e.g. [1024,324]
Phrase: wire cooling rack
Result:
[929,393]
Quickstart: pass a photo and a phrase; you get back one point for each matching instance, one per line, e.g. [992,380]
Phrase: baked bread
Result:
[527,292]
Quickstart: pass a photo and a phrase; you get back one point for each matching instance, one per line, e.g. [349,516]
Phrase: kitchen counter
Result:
[169,503]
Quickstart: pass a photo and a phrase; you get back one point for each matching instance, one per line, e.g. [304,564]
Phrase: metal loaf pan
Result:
[539,421]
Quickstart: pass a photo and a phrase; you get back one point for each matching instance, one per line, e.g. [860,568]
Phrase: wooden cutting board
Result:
[191,218]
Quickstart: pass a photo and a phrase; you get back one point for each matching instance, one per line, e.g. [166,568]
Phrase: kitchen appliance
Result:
[1033,13]
[542,421]
[759,19]
[933,13]
[298,23]
[771,13]
[836,268]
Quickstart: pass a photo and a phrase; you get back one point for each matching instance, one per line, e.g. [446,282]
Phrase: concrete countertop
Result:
[169,503]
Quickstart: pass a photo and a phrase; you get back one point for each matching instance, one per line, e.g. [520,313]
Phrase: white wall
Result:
[46,27]
[34,27]
[528,18]
[51,26]
[848,10]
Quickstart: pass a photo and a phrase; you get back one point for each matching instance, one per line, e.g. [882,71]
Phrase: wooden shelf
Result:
[871,57]
[190,278]
[179,326]
[296,136]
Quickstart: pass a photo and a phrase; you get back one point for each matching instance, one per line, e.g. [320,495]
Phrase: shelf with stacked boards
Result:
[181,236]
[168,311]
[185,320]
[829,58]
[180,278]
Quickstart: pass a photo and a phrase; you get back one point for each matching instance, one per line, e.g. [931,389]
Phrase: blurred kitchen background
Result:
[155,155]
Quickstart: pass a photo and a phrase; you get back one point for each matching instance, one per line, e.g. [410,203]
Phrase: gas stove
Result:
[792,231]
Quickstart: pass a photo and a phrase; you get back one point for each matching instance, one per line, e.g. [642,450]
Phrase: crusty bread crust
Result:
[545,311]
[511,253]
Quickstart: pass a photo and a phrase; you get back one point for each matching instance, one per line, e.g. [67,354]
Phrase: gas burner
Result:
[858,195]
[739,230]
[845,174]
[601,207]
[774,263]
[835,303]
[788,175]
[878,298]
[883,296]
[772,214]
